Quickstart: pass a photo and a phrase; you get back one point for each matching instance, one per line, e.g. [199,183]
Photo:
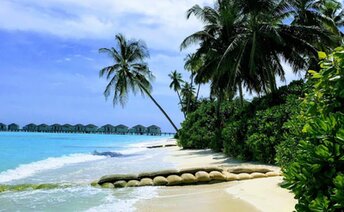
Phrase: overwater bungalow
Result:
[67,128]
[121,129]
[107,129]
[13,127]
[3,127]
[138,129]
[30,128]
[56,128]
[43,128]
[79,128]
[90,128]
[153,130]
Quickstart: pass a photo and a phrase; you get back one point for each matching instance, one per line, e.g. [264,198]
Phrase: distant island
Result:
[80,128]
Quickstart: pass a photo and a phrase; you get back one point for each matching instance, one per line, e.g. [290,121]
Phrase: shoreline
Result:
[263,194]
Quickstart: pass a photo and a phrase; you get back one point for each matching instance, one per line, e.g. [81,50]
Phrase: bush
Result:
[259,130]
[234,136]
[254,131]
[316,177]
[197,130]
[265,130]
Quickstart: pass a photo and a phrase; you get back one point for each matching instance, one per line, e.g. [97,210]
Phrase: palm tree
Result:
[243,42]
[188,97]
[322,14]
[193,64]
[129,72]
[333,10]
[176,84]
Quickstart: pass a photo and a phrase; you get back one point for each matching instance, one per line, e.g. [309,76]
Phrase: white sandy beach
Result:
[263,194]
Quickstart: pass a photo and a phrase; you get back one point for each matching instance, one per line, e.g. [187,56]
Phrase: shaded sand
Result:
[262,194]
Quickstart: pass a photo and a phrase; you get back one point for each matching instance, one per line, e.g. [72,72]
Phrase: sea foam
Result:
[27,170]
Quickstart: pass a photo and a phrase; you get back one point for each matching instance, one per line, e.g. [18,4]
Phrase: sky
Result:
[49,60]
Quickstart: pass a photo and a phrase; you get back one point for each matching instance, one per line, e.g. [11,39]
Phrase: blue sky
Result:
[50,61]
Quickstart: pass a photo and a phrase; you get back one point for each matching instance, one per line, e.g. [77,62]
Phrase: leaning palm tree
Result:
[176,84]
[129,72]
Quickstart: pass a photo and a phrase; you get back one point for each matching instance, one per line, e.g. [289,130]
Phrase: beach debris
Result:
[190,176]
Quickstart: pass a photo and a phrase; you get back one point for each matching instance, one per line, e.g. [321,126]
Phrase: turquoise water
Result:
[37,158]
[22,148]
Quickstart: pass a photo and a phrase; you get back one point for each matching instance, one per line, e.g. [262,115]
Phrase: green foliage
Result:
[254,131]
[234,135]
[197,130]
[259,132]
[316,176]
[265,131]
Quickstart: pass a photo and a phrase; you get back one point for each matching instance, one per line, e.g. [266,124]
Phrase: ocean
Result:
[67,160]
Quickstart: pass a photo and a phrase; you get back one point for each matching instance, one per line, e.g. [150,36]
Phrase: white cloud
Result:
[162,24]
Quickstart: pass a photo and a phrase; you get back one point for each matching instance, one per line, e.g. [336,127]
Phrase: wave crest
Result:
[27,170]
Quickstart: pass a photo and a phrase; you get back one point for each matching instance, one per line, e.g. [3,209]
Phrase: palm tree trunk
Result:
[198,89]
[189,97]
[218,121]
[180,102]
[241,95]
[157,104]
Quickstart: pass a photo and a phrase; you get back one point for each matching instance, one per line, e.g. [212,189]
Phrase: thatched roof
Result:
[154,126]
[121,126]
[108,125]
[139,126]
[91,126]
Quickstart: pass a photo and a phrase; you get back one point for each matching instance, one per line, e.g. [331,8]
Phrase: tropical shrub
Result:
[253,131]
[259,131]
[234,136]
[197,130]
[316,176]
